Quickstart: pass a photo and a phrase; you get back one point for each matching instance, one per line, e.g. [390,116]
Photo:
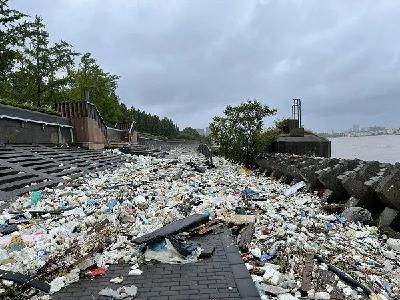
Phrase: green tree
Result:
[62,61]
[101,85]
[36,63]
[148,123]
[11,38]
[42,72]
[190,133]
[237,132]
[168,128]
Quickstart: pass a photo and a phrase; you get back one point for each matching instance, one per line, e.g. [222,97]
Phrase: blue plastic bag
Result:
[158,246]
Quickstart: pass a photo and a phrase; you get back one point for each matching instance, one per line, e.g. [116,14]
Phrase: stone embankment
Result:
[343,184]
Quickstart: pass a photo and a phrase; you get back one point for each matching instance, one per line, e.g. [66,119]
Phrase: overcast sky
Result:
[188,59]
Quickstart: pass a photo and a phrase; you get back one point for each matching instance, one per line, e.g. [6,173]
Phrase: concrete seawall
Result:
[22,126]
[343,183]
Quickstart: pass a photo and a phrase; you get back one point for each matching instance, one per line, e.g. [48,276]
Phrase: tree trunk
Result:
[38,78]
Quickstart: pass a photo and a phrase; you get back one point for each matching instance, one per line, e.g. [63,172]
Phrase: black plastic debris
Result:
[8,229]
[196,167]
[208,250]
[185,248]
[18,219]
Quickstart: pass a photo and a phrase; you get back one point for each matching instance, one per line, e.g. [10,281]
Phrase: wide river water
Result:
[384,148]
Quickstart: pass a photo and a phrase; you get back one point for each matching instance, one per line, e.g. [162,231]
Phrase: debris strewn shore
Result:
[289,244]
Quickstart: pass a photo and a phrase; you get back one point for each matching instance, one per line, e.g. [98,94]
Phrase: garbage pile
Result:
[291,247]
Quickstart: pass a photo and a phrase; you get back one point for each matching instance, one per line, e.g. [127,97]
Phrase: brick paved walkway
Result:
[222,276]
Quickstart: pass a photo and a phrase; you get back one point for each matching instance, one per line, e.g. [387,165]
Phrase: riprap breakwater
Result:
[343,183]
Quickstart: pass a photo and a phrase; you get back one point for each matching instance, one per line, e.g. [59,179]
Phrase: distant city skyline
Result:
[356,130]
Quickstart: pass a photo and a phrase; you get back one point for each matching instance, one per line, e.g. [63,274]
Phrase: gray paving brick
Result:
[240,271]
[206,279]
[218,286]
[179,287]
[189,292]
[157,288]
[200,296]
[234,258]
[169,280]
[179,297]
[246,288]
[169,293]
[148,289]
[148,294]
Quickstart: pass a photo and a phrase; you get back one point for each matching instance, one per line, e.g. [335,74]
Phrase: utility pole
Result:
[296,111]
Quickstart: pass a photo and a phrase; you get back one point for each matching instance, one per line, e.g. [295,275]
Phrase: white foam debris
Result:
[124,292]
[118,279]
[135,272]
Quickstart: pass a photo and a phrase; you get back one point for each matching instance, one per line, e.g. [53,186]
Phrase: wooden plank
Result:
[173,228]
[245,237]
[306,283]
[25,280]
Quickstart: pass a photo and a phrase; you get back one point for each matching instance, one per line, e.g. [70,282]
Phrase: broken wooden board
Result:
[173,228]
[25,280]
[98,237]
[241,219]
[246,236]
[306,283]
[207,228]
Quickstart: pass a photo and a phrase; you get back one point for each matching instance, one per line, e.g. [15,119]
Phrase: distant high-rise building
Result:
[208,131]
[200,131]
[376,128]
[356,128]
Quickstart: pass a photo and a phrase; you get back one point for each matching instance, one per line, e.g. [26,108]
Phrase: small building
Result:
[295,140]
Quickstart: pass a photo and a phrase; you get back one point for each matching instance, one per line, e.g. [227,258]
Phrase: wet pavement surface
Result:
[222,276]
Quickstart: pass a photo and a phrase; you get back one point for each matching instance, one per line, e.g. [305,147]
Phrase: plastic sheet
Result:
[169,255]
[99,271]
[294,188]
[124,292]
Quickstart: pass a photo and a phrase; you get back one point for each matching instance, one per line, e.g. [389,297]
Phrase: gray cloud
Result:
[188,59]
